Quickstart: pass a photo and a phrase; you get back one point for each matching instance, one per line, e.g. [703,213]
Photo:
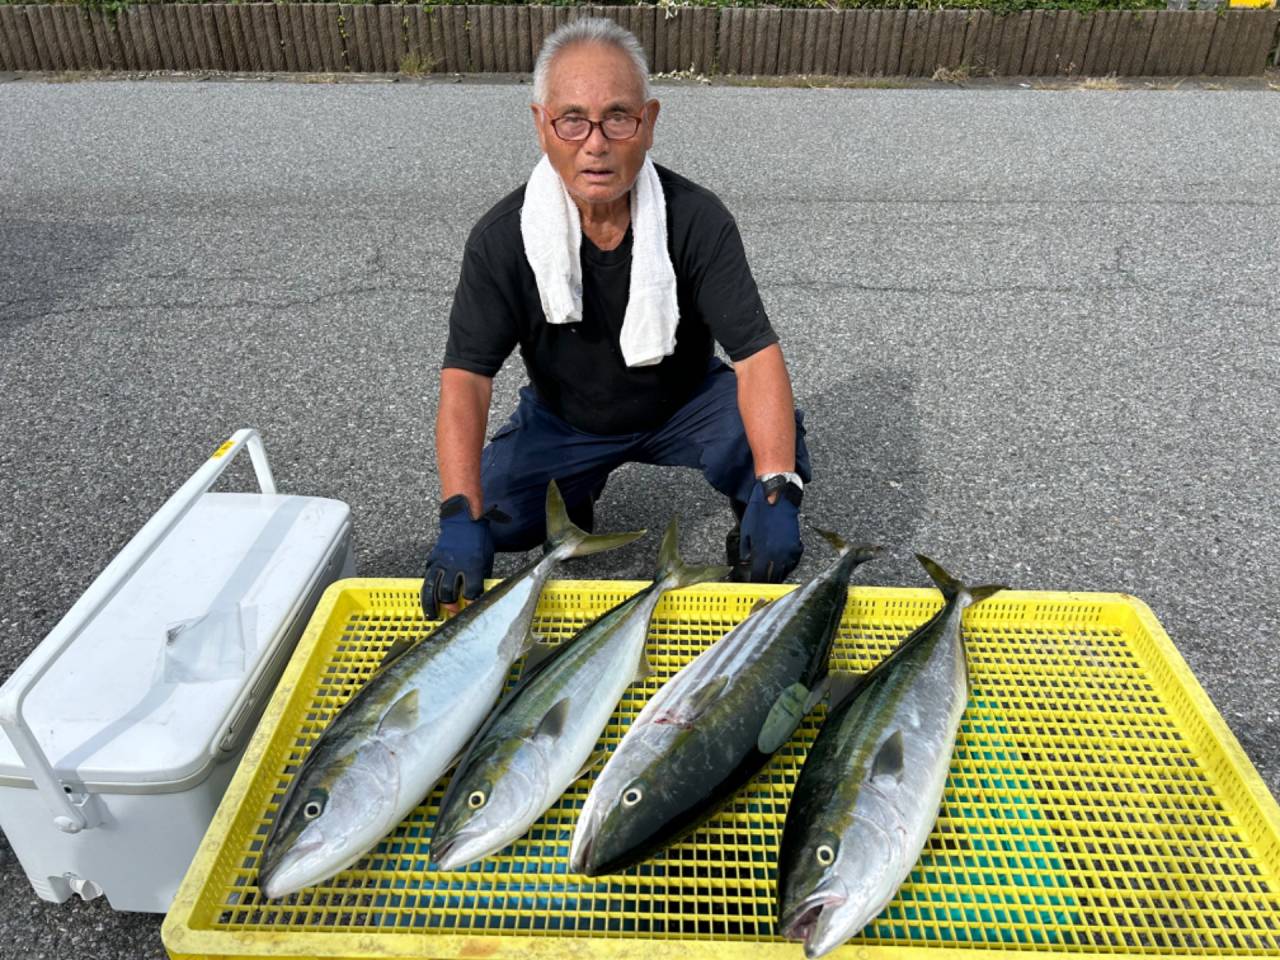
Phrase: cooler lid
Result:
[142,694]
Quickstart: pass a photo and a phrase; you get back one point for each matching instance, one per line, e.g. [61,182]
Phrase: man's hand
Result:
[770,543]
[460,560]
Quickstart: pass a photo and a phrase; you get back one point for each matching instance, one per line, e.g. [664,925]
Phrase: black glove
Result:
[770,543]
[460,560]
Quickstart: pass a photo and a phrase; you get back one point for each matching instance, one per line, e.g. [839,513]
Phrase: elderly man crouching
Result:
[613,276]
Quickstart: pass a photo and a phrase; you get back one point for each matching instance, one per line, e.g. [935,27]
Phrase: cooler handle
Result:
[68,816]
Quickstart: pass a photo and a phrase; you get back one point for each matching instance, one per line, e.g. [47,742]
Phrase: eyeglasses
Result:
[616,126]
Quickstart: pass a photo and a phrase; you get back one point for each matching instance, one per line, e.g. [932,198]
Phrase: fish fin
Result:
[569,540]
[948,584]
[888,761]
[644,669]
[951,587]
[842,685]
[986,590]
[592,762]
[398,650]
[672,573]
[817,693]
[552,723]
[706,695]
[784,716]
[536,650]
[863,551]
[403,715]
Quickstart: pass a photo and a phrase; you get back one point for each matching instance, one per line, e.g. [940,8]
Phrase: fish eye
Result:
[476,799]
[312,809]
[632,796]
[826,856]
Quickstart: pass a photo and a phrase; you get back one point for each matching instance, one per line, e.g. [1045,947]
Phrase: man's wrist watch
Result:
[787,484]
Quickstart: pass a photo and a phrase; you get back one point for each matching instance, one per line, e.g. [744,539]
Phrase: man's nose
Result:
[596,141]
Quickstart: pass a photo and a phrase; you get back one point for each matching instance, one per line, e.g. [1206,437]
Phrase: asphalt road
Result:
[1035,334]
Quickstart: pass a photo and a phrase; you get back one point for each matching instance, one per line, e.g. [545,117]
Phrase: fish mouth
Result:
[440,850]
[802,922]
[580,857]
[277,878]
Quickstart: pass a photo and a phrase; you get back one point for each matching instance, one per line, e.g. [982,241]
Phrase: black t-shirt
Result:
[577,369]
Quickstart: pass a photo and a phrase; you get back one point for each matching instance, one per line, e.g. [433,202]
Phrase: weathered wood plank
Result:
[220,23]
[1118,24]
[191,26]
[689,51]
[328,32]
[46,39]
[846,21]
[990,37]
[275,40]
[1057,49]
[168,37]
[809,43]
[1141,26]
[1155,58]
[107,41]
[704,40]
[189,29]
[75,24]
[790,42]
[1253,24]
[1098,47]
[150,37]
[830,28]
[294,19]
[755,35]
[907,65]
[1037,38]
[897,36]
[262,33]
[768,29]
[1018,39]
[10,50]
[67,40]
[937,43]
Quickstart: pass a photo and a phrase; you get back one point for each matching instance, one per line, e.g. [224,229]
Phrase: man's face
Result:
[594,80]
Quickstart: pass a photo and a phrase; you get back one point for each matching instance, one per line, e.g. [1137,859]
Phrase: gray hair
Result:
[588,30]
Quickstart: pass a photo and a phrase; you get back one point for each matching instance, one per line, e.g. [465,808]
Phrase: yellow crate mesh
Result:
[1093,804]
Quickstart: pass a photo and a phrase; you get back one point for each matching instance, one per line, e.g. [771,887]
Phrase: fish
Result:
[393,740]
[872,783]
[713,725]
[541,738]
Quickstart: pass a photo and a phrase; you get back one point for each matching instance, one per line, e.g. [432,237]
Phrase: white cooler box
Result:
[123,728]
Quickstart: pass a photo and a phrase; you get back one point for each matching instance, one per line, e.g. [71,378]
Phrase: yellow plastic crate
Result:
[1097,804]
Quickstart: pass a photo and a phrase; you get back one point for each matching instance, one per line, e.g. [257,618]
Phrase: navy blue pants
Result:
[535,447]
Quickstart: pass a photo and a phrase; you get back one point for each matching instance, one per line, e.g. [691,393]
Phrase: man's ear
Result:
[650,121]
[539,126]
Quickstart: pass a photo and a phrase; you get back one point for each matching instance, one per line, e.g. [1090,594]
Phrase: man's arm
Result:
[463,555]
[460,424]
[768,410]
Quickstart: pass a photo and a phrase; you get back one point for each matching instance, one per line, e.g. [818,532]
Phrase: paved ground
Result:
[1035,334]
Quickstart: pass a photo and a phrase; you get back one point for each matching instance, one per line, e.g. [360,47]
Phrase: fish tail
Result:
[672,572]
[952,588]
[568,540]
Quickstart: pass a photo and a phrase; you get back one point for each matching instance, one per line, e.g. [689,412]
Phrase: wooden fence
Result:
[329,37]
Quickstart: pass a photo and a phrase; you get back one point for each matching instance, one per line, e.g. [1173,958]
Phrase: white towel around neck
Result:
[552,233]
